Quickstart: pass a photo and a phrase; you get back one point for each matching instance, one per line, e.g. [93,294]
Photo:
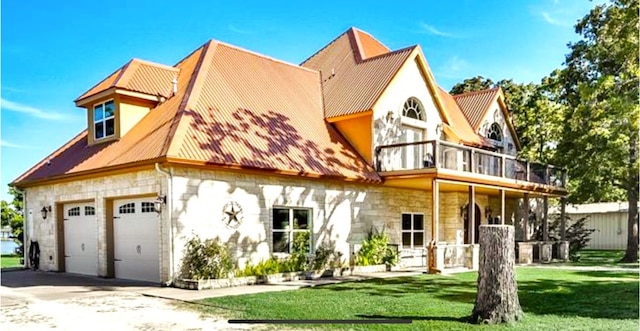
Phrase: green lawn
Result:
[9,261]
[601,258]
[551,299]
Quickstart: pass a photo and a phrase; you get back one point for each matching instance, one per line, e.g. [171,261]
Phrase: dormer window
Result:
[495,132]
[104,124]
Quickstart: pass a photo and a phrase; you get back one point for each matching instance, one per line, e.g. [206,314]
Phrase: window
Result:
[413,109]
[291,230]
[104,120]
[75,211]
[89,211]
[412,230]
[147,207]
[129,208]
[495,133]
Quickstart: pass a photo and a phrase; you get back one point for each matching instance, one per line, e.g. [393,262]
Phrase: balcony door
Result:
[412,155]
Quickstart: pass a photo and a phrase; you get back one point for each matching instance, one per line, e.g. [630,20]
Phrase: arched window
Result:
[495,133]
[413,109]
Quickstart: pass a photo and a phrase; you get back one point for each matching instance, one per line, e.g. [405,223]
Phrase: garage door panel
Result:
[136,237]
[81,239]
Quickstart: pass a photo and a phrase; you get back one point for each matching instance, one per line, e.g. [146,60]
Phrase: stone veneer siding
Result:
[342,212]
[99,189]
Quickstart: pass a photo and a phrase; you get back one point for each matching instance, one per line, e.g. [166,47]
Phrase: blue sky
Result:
[53,51]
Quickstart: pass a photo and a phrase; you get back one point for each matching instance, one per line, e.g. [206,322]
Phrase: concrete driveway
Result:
[36,300]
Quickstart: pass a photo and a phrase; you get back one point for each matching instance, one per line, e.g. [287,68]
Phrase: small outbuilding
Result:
[609,219]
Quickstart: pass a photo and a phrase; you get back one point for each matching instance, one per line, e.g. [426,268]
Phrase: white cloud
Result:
[235,29]
[454,67]
[33,111]
[553,20]
[6,144]
[430,29]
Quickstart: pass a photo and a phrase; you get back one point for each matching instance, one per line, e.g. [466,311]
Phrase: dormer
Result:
[119,102]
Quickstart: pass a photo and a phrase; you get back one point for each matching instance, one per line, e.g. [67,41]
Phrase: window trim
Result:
[412,231]
[499,131]
[292,231]
[418,103]
[103,120]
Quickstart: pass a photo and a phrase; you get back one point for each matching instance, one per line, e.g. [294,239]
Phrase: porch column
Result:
[563,204]
[471,214]
[435,211]
[436,254]
[545,220]
[502,203]
[525,227]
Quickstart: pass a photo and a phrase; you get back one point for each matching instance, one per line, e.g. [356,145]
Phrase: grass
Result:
[9,261]
[592,258]
[550,299]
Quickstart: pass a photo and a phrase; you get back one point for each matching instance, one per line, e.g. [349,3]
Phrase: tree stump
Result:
[497,298]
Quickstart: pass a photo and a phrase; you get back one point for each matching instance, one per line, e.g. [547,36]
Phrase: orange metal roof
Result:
[461,128]
[138,76]
[145,141]
[233,108]
[355,69]
[474,105]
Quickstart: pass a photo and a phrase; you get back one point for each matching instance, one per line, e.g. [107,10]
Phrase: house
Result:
[236,145]
[608,219]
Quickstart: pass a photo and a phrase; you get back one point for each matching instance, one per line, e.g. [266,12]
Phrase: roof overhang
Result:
[87,101]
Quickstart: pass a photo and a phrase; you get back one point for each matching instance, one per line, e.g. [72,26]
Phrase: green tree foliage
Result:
[599,87]
[12,214]
[477,83]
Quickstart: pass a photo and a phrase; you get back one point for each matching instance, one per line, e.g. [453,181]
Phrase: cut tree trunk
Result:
[497,299]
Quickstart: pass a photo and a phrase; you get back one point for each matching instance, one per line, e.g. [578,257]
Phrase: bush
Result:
[206,260]
[576,234]
[375,250]
[326,257]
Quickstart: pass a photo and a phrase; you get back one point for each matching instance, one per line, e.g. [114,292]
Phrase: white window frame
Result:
[104,120]
[412,231]
[290,230]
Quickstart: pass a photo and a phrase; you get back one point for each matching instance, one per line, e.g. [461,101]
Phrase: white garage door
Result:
[135,236]
[80,239]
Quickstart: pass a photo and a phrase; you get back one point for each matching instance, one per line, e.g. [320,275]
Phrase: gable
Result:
[495,114]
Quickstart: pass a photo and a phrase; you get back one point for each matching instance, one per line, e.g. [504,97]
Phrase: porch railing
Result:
[446,155]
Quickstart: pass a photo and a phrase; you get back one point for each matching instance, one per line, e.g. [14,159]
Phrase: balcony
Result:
[436,154]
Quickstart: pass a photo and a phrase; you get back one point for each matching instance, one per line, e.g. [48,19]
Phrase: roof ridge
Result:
[466,94]
[222,43]
[404,49]
[354,40]
[155,64]
[184,103]
[122,68]
[325,47]
[126,74]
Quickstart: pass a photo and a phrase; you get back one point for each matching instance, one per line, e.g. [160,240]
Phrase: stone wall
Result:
[98,189]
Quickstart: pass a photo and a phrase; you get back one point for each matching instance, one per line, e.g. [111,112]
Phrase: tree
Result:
[599,87]
[497,299]
[12,214]
[477,83]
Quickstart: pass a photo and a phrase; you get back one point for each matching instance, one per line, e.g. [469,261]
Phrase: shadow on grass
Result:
[464,319]
[584,294]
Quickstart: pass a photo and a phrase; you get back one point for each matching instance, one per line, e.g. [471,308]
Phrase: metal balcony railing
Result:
[446,155]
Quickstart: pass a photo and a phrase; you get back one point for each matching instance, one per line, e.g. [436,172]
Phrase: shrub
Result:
[205,260]
[326,257]
[375,250]
[576,234]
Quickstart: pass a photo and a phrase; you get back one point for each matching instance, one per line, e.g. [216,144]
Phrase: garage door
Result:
[135,236]
[80,239]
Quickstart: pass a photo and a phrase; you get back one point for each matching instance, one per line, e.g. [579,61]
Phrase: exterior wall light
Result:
[160,201]
[45,210]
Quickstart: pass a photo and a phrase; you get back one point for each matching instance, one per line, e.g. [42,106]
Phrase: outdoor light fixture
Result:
[160,201]
[45,211]
[488,210]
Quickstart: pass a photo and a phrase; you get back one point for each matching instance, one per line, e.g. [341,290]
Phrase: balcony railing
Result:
[446,155]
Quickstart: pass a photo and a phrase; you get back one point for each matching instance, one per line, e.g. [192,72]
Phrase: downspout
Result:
[169,208]
[26,235]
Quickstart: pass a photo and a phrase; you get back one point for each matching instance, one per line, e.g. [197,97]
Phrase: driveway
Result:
[36,300]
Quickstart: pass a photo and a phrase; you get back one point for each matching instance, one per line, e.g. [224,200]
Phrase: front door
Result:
[412,155]
[476,225]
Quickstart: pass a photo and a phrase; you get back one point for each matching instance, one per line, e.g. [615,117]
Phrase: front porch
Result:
[454,177]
